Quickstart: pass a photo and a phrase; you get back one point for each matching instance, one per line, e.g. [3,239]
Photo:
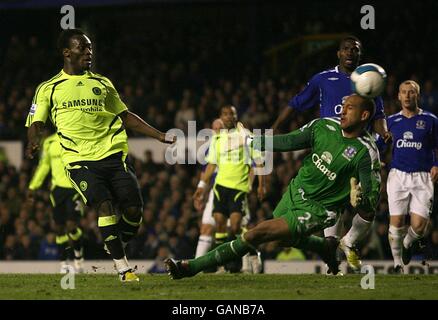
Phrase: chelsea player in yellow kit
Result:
[90,121]
[67,206]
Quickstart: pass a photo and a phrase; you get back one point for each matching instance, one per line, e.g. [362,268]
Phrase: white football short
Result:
[409,193]
[207,215]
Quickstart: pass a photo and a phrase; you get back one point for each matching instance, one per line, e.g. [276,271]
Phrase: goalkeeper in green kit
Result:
[343,166]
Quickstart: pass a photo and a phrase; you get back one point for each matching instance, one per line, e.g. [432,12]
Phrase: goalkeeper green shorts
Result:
[303,216]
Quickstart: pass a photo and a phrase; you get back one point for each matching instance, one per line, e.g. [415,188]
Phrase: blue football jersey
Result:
[328,89]
[414,141]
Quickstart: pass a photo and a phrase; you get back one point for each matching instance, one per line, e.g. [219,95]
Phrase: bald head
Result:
[365,104]
[356,113]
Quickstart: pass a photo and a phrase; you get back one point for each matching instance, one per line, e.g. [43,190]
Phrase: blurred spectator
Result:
[432,247]
[429,97]
[3,157]
[183,115]
[290,254]
[159,266]
[26,249]
[10,248]
[48,248]
[151,246]
[372,247]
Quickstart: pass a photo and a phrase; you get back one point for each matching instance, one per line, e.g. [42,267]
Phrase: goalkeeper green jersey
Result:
[84,109]
[50,161]
[233,166]
[333,160]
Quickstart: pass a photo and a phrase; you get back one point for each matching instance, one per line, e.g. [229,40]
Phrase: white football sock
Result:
[334,230]
[410,238]
[78,254]
[358,230]
[204,244]
[246,264]
[122,265]
[395,236]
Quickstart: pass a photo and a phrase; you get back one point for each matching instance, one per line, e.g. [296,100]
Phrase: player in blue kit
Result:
[414,170]
[327,90]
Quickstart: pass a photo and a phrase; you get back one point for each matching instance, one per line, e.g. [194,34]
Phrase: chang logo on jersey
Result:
[401,143]
[408,135]
[404,143]
[327,157]
[318,162]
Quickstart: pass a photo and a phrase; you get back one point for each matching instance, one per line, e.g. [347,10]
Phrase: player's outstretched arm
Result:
[34,135]
[137,124]
[295,140]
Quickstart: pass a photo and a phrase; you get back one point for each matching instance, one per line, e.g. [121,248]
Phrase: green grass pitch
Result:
[217,287]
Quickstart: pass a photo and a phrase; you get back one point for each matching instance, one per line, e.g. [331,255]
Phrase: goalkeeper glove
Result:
[355,192]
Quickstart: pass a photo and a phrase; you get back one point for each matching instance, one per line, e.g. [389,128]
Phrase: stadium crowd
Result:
[185,74]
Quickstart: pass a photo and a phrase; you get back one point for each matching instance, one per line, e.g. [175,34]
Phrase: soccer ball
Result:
[368,80]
